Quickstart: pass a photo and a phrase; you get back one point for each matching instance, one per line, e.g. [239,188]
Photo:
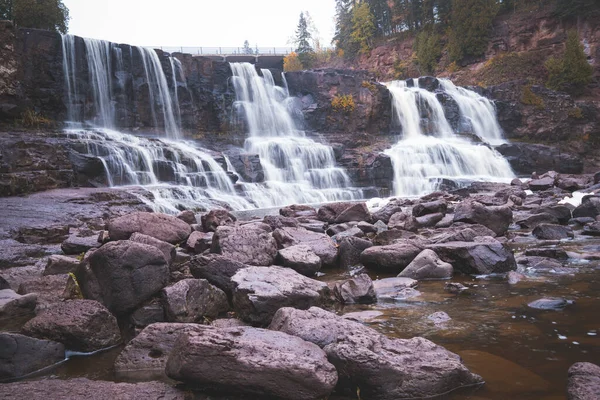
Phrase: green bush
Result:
[571,72]
[428,50]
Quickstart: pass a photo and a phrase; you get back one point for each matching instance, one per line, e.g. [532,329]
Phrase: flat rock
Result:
[252,361]
[50,289]
[592,229]
[216,269]
[160,226]
[192,300]
[75,245]
[584,382]
[21,355]
[427,265]
[17,254]
[541,184]
[549,303]
[392,258]
[81,325]
[261,291]
[475,257]
[320,243]
[298,210]
[248,245]
[552,232]
[58,264]
[395,288]
[496,218]
[430,207]
[300,258]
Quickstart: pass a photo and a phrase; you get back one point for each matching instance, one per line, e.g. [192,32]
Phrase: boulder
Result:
[352,232]
[589,207]
[428,220]
[4,284]
[532,221]
[145,356]
[358,289]
[216,218]
[297,211]
[339,228]
[199,242]
[551,252]
[124,274]
[252,361]
[75,245]
[592,229]
[81,388]
[300,258]
[536,263]
[188,217]
[337,213]
[21,355]
[160,226]
[367,227]
[549,303]
[496,218]
[216,269]
[14,305]
[541,184]
[81,325]
[385,213]
[552,232]
[49,289]
[427,265]
[248,245]
[261,291]
[476,257]
[583,382]
[168,250]
[58,264]
[278,221]
[373,362]
[395,288]
[392,258]
[320,243]
[151,312]
[350,250]
[431,207]
[192,300]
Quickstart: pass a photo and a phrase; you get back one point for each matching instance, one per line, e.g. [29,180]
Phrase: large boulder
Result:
[216,218]
[252,361]
[192,300]
[160,226]
[344,212]
[216,269]
[427,265]
[300,258]
[477,258]
[199,242]
[261,291]
[497,218]
[298,211]
[383,368]
[385,213]
[321,244]
[350,250]
[589,207]
[58,264]
[245,244]
[81,325]
[430,207]
[358,289]
[81,388]
[124,274]
[145,356]
[75,244]
[392,258]
[552,232]
[168,250]
[584,382]
[21,355]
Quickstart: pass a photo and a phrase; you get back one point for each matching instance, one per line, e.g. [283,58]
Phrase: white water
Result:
[430,151]
[297,169]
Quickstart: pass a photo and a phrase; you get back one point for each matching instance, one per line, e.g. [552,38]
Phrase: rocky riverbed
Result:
[485,292]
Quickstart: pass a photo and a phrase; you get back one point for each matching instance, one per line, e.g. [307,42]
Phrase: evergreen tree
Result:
[52,15]
[343,27]
[428,49]
[571,72]
[470,23]
[6,9]
[575,8]
[363,27]
[303,36]
[247,49]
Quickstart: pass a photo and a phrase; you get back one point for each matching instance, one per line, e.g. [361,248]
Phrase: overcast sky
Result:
[197,22]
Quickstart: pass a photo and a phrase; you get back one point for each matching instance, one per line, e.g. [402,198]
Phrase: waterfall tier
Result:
[430,152]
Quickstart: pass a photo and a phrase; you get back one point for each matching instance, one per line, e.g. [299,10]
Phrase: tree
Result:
[292,62]
[575,8]
[571,72]
[315,36]
[303,48]
[363,27]
[470,23]
[343,28]
[51,15]
[6,9]
[428,49]
[247,49]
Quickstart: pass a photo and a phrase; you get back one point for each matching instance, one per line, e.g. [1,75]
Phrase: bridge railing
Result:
[228,51]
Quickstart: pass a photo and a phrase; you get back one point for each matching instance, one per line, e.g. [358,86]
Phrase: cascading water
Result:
[297,169]
[430,151]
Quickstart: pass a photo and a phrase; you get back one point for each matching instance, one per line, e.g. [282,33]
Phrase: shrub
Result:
[343,103]
[575,113]
[32,119]
[428,50]
[291,62]
[571,72]
[531,99]
[369,85]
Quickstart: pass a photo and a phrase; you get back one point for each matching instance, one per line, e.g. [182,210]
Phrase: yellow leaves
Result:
[292,62]
[343,103]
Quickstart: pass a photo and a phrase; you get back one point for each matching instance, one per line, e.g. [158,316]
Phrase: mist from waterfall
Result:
[429,152]
[297,168]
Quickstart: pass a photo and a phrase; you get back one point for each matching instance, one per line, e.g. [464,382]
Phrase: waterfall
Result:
[297,169]
[429,152]
[99,61]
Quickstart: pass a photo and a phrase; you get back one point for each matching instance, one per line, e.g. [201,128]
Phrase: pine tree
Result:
[470,23]
[303,36]
[6,7]
[571,72]
[363,27]
[343,28]
[247,49]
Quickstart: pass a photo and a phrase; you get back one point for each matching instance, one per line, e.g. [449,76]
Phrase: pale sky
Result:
[197,22]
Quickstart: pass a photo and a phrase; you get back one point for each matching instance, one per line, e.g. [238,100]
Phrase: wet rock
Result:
[58,264]
[550,252]
[392,258]
[385,213]
[252,361]
[589,207]
[364,317]
[21,355]
[192,300]
[124,274]
[581,221]
[248,245]
[541,184]
[358,289]
[352,232]
[372,361]
[350,250]
[476,257]
[160,226]
[81,325]
[513,277]
[149,313]
[261,291]
[540,263]
[393,236]
[339,228]
[4,284]
[298,210]
[76,245]
[13,304]
[592,229]
[278,221]
[561,212]
[81,388]
[216,269]
[550,303]
[145,356]
[312,225]
[431,207]
[188,217]
[552,232]
[584,381]
[17,254]
[455,287]
[395,288]
[366,227]
[167,249]
[427,265]
[496,218]
[42,234]
[301,259]
[343,212]
[320,243]
[533,221]
[439,318]
[429,220]
[199,242]
[216,218]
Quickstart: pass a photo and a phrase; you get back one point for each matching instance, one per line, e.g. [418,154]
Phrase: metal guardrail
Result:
[229,51]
